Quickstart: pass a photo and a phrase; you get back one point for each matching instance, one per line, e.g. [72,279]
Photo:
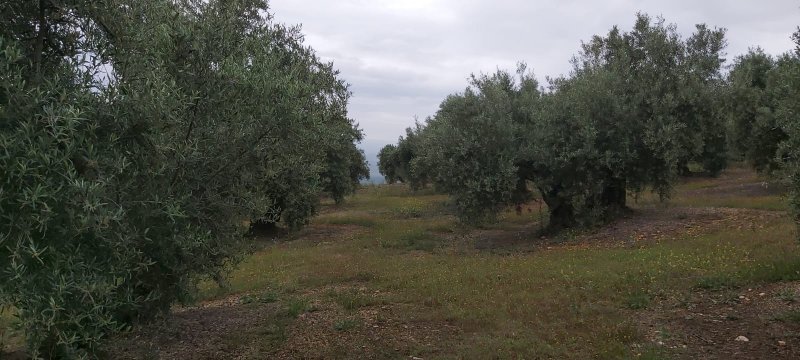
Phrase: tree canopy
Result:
[138,140]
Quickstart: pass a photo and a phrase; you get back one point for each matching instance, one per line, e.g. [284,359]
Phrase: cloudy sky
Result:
[403,57]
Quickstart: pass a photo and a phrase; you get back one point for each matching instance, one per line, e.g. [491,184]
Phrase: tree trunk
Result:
[562,214]
[614,195]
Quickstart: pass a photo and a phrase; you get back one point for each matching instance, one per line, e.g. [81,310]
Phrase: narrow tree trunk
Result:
[41,36]
[614,195]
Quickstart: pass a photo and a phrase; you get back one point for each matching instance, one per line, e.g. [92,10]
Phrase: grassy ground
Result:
[392,274]
[8,340]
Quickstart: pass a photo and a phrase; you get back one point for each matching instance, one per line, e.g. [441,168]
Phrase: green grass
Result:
[788,295]
[345,324]
[563,303]
[570,302]
[567,302]
[791,316]
[351,299]
[297,306]
[348,218]
[8,338]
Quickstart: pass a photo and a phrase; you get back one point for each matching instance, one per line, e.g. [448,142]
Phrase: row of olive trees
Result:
[636,109]
[764,115]
[137,139]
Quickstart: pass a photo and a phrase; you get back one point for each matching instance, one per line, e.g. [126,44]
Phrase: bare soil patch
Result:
[321,233]
[380,332]
[752,189]
[219,331]
[707,325]
[229,329]
[735,182]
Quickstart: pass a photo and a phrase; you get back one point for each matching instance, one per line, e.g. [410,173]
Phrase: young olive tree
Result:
[388,164]
[469,148]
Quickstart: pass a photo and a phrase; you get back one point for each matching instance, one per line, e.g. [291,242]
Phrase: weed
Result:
[777,271]
[361,276]
[345,324]
[352,299]
[651,352]
[717,283]
[408,212]
[638,301]
[247,299]
[268,297]
[348,218]
[296,306]
[420,240]
[264,298]
[788,295]
[792,316]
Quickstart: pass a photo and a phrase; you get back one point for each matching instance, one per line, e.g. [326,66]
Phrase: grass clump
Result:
[348,218]
[297,306]
[352,299]
[345,324]
[717,282]
[787,295]
[791,316]
[264,298]
[638,300]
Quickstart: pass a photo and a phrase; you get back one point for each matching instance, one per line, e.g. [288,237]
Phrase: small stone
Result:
[741,296]
[762,294]
[781,343]
[742,338]
[660,343]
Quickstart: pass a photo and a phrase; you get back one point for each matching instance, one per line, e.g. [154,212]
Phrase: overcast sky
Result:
[403,57]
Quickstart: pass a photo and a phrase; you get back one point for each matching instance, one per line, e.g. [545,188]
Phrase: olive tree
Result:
[346,165]
[469,149]
[785,89]
[753,131]
[395,161]
[138,138]
[622,122]
[388,164]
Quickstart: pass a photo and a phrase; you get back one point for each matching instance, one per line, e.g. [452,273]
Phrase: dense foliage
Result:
[763,111]
[138,139]
[395,162]
[753,132]
[785,88]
